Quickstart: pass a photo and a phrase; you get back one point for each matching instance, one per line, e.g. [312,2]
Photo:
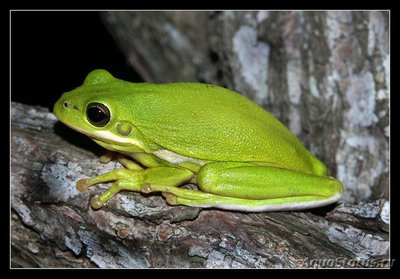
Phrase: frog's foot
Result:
[170,191]
[200,199]
[97,202]
[124,180]
[180,196]
[133,180]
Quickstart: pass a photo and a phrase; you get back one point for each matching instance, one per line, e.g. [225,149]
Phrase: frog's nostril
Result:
[69,105]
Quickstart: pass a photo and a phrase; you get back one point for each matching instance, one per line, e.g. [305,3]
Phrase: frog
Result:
[168,135]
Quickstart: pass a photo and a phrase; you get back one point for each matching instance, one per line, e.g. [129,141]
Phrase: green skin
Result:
[240,156]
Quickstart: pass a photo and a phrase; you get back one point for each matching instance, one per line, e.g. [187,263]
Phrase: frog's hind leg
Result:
[252,187]
[228,203]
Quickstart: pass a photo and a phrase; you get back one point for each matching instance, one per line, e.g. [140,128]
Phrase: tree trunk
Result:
[325,75]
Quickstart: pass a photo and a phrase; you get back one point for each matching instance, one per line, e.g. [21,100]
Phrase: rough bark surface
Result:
[324,74]
[52,224]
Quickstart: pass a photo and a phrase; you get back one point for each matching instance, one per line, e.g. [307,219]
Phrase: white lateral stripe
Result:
[106,135]
[274,207]
[175,158]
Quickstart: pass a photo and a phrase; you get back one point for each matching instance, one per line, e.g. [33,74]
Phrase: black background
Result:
[53,51]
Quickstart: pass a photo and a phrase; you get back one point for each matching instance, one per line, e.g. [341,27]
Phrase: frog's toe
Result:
[145,188]
[95,202]
[164,194]
[170,198]
[82,185]
[106,157]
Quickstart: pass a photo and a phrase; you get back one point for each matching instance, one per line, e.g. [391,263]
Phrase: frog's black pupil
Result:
[98,114]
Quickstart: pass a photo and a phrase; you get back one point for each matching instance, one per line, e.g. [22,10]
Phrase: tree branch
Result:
[52,224]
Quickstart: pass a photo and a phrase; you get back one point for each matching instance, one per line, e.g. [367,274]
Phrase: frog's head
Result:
[93,109]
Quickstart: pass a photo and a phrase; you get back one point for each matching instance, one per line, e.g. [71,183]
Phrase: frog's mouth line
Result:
[109,138]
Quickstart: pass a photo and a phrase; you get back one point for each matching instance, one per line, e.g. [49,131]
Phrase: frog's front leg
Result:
[252,187]
[127,163]
[133,180]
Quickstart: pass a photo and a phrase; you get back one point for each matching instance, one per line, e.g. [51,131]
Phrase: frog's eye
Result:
[97,114]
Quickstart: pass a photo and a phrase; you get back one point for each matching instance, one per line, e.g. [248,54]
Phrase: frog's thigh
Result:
[251,187]
[250,181]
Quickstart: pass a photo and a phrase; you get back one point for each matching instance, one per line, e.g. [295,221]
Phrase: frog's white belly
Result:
[177,159]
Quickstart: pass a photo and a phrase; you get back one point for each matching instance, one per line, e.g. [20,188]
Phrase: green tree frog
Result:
[240,156]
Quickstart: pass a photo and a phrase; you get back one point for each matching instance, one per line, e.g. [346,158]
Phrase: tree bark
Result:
[323,74]
[52,224]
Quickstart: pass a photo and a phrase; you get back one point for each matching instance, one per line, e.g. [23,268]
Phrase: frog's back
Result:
[212,123]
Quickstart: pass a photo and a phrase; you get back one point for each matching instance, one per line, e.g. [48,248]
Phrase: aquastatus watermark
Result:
[347,263]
